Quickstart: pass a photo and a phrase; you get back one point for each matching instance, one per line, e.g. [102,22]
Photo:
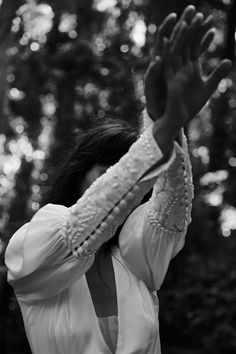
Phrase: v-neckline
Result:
[101,282]
[115,274]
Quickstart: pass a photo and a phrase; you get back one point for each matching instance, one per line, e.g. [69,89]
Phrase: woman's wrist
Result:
[165,132]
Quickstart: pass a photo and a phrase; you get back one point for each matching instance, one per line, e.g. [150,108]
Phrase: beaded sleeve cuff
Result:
[171,202]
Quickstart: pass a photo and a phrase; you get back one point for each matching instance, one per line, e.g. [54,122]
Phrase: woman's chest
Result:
[101,282]
[72,320]
[120,293]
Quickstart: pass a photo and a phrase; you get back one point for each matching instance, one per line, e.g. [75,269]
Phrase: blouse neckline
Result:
[114,254]
[109,328]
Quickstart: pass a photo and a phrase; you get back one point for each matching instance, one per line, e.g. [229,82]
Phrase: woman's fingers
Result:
[207,40]
[197,34]
[166,51]
[167,25]
[204,36]
[183,38]
[217,75]
[206,26]
[180,40]
[155,69]
[154,89]
[168,59]
[188,14]
[164,30]
[187,17]
[194,41]
[198,37]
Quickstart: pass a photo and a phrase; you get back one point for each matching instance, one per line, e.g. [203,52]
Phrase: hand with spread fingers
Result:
[187,39]
[187,90]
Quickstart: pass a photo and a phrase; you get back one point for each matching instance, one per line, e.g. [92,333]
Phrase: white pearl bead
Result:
[104,225]
[136,189]
[122,204]
[93,238]
[110,218]
[116,210]
[130,195]
[74,253]
[79,251]
[86,244]
[98,233]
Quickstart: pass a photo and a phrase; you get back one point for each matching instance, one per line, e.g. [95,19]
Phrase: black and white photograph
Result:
[117,177]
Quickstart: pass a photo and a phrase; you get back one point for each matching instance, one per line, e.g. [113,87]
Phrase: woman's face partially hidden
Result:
[95,172]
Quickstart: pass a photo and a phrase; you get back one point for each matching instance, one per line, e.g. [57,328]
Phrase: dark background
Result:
[63,62]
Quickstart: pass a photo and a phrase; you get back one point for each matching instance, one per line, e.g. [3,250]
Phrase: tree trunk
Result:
[7,13]
[230,44]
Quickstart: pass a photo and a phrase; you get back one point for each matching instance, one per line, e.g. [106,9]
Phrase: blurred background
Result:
[63,62]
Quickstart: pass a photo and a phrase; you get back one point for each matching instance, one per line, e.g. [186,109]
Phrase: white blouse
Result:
[48,257]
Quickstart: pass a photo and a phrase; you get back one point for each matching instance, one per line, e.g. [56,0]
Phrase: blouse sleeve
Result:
[58,245]
[155,232]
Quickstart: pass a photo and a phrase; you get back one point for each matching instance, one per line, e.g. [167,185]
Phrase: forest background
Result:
[64,62]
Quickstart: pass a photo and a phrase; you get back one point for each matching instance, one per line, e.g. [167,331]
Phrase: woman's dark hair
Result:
[103,143]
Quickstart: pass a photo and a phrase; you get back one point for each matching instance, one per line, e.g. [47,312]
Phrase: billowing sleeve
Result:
[155,231]
[58,245]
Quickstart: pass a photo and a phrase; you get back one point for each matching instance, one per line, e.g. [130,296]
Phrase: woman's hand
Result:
[187,90]
[155,84]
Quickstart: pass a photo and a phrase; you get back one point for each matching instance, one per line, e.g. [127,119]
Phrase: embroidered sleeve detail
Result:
[155,232]
[170,205]
[106,204]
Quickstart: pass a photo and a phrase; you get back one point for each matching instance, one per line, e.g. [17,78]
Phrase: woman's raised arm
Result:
[155,232]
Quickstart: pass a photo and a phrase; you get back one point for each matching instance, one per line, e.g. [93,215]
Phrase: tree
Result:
[7,14]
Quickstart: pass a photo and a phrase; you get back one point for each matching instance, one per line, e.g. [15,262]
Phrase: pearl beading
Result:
[107,203]
[181,200]
[170,205]
[110,199]
[106,228]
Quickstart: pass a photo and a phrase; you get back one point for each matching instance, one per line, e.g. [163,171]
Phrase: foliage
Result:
[72,61]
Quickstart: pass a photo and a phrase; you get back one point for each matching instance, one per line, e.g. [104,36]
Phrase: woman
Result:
[86,268]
